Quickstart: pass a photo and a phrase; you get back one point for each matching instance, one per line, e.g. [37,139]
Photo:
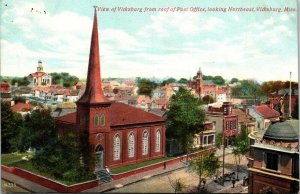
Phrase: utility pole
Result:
[223,178]
[290,97]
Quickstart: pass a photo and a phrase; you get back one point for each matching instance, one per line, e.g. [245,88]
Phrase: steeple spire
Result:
[93,91]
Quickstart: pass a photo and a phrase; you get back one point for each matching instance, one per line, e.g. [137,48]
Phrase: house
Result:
[207,137]
[23,108]
[268,114]
[244,119]
[274,100]
[5,92]
[224,121]
[40,78]
[117,134]
[274,159]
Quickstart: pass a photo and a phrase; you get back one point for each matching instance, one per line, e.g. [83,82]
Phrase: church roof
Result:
[38,74]
[93,91]
[120,114]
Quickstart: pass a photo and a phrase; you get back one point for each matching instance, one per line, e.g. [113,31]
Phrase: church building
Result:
[40,78]
[118,134]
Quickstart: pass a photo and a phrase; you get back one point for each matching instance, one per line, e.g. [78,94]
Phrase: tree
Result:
[207,77]
[20,81]
[10,123]
[64,79]
[218,80]
[239,151]
[168,81]
[234,80]
[242,136]
[205,166]
[18,99]
[248,88]
[208,99]
[183,81]
[219,140]
[61,158]
[177,184]
[185,118]
[41,128]
[145,86]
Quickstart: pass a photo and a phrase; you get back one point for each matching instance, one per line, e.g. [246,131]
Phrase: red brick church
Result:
[118,134]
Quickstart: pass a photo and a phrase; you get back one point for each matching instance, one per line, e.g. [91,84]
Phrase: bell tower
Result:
[92,114]
[199,83]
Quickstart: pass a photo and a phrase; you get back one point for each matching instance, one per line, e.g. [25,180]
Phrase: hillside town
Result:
[200,134]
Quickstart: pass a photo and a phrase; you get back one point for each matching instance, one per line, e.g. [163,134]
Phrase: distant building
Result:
[275,97]
[5,92]
[274,159]
[40,78]
[23,108]
[203,87]
[224,121]
[244,119]
[268,114]
[207,137]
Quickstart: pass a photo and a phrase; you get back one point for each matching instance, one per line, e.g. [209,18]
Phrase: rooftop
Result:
[121,114]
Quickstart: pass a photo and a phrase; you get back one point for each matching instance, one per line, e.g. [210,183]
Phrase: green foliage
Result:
[242,136]
[168,81]
[185,118]
[208,99]
[239,151]
[274,86]
[218,80]
[20,81]
[207,77]
[145,86]
[205,166]
[234,80]
[183,81]
[18,99]
[219,140]
[177,184]
[64,79]
[61,159]
[10,122]
[248,88]
[38,130]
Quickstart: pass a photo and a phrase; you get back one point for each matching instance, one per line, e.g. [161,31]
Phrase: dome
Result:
[281,131]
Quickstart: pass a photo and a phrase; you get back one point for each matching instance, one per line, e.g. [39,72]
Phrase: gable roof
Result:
[267,112]
[22,107]
[120,114]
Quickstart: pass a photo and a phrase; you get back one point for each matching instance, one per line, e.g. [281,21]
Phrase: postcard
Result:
[135,96]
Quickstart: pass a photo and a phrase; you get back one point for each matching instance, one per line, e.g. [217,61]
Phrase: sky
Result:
[259,45]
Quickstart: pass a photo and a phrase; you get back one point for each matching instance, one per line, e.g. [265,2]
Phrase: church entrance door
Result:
[99,158]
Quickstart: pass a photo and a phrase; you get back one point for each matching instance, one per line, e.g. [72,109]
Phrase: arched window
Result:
[102,120]
[96,120]
[117,147]
[157,141]
[131,145]
[145,143]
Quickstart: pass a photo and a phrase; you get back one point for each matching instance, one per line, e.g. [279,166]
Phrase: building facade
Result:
[118,134]
[40,78]
[274,159]
[224,121]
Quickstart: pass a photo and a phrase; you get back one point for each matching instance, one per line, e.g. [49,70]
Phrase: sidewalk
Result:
[24,183]
[135,178]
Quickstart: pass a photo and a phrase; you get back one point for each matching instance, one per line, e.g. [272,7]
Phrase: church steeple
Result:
[93,93]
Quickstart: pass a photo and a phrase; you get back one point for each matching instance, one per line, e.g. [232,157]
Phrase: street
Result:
[161,183]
